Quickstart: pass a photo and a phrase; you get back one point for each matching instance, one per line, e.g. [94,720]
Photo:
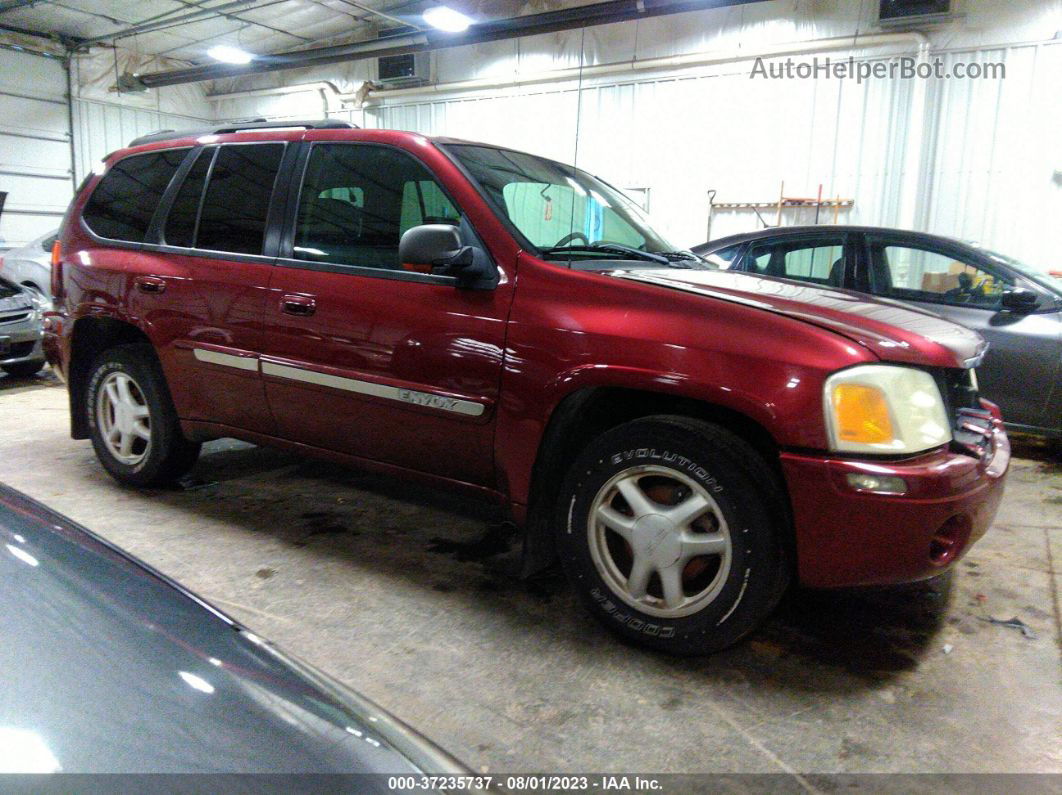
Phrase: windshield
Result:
[1028,271]
[563,212]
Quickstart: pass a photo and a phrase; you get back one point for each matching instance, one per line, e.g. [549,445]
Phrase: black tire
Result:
[168,455]
[746,585]
[23,369]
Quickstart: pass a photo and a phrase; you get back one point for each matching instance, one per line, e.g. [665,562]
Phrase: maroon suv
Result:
[685,440]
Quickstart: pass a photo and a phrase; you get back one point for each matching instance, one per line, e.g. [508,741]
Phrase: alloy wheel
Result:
[124,419]
[660,541]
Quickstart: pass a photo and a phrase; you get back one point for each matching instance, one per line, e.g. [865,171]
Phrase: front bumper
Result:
[20,342]
[849,538]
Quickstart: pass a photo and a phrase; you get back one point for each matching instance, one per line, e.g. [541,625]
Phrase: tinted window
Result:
[922,275]
[358,199]
[180,225]
[818,261]
[125,199]
[234,211]
[423,202]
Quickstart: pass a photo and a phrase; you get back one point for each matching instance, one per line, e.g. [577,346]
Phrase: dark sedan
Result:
[107,666]
[1016,308]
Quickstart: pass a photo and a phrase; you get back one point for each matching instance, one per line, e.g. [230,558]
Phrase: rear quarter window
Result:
[124,201]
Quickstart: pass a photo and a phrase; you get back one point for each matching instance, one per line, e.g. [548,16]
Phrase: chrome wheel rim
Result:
[124,419]
[659,541]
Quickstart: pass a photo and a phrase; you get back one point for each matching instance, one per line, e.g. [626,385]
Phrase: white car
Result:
[31,265]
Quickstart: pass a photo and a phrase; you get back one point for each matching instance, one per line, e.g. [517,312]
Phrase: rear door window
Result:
[124,201]
[184,215]
[234,210]
[819,260]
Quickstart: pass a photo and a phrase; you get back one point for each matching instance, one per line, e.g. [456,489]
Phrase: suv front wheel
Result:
[132,421]
[669,531]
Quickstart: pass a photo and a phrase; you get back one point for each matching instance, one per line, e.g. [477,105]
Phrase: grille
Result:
[971,424]
[959,388]
[14,318]
[19,350]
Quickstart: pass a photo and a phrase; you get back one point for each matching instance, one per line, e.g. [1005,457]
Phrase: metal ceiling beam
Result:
[237,18]
[68,42]
[245,23]
[14,5]
[494,30]
[147,27]
[382,14]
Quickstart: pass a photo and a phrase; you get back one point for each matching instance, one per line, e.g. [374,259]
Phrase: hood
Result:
[893,331]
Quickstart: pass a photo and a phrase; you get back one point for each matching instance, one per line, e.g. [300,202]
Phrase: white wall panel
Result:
[685,134]
[102,127]
[995,149]
[984,156]
[35,167]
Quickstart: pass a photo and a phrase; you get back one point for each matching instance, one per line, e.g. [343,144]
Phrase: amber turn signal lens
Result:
[862,414]
[57,250]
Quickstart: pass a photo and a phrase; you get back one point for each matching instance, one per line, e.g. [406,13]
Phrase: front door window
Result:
[908,273]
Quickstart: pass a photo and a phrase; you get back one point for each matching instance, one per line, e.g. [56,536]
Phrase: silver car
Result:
[21,331]
[31,265]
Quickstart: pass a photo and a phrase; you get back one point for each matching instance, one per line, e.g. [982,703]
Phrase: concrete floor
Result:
[380,585]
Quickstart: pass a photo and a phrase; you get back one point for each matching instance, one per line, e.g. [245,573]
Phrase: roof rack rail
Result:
[241,126]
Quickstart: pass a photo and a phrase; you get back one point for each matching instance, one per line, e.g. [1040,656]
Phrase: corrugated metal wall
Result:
[988,149]
[35,167]
[38,167]
[993,167]
[102,127]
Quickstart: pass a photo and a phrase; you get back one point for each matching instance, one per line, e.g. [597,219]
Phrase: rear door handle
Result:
[300,305]
[150,284]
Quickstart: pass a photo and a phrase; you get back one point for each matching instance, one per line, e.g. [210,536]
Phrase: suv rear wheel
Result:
[132,421]
[669,531]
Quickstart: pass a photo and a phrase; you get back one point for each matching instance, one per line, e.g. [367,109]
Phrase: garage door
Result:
[35,157]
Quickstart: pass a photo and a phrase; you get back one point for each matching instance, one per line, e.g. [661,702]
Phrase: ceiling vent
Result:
[403,71]
[899,12]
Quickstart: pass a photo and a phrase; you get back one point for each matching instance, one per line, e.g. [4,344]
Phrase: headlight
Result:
[880,408]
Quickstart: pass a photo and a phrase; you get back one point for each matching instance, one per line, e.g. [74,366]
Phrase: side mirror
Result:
[1020,300]
[439,246]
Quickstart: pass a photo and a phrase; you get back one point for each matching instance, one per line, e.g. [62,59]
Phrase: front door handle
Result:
[300,305]
[150,284]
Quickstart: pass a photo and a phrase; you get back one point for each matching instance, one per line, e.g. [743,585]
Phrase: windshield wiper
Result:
[611,248]
[681,256]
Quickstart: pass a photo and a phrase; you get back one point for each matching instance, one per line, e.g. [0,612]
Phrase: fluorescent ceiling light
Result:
[227,54]
[446,18]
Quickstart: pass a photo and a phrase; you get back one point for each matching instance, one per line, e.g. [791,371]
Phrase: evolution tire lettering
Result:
[673,459]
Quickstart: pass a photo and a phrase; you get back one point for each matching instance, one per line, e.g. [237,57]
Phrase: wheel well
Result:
[91,337]
[586,414]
